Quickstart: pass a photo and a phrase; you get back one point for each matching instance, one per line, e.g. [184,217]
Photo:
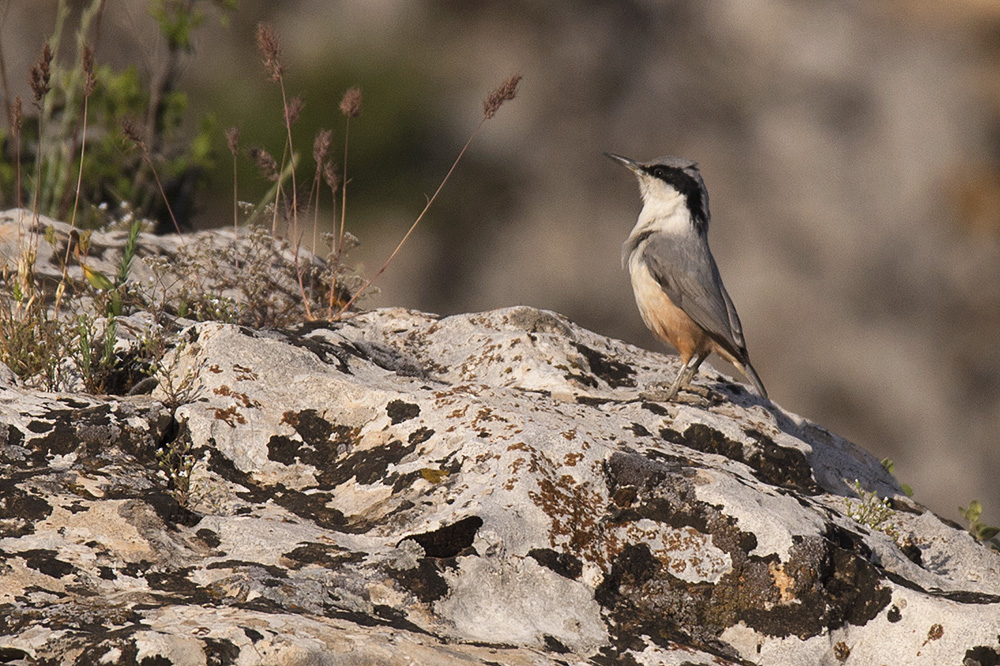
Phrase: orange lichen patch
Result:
[243,373]
[242,397]
[574,509]
[569,434]
[230,415]
[486,415]
[571,459]
[784,582]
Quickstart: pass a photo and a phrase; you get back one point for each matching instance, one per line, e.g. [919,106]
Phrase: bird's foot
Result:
[689,395]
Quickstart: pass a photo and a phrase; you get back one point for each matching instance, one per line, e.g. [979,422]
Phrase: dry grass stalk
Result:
[321,149]
[233,141]
[89,84]
[132,134]
[505,92]
[270,48]
[350,106]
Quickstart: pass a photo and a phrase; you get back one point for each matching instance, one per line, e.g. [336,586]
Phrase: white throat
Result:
[664,210]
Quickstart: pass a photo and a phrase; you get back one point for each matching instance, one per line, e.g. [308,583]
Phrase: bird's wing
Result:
[687,273]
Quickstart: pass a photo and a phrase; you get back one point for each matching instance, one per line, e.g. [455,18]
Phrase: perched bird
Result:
[677,285]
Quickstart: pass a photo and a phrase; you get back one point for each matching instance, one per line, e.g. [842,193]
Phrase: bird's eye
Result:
[658,172]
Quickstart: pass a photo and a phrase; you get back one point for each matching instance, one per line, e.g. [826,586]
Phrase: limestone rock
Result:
[479,489]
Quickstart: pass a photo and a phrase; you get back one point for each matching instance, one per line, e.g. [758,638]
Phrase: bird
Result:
[677,284]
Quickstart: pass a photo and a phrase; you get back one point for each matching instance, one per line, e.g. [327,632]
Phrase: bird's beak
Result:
[631,165]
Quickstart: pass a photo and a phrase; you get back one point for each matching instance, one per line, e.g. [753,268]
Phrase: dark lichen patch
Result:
[320,555]
[821,587]
[400,411]
[826,583]
[283,449]
[641,598]
[20,511]
[319,444]
[175,582]
[894,615]
[449,540]
[39,427]
[564,564]
[253,635]
[311,427]
[315,507]
[45,561]
[613,373]
[420,435]
[653,407]
[773,464]
[982,655]
[170,511]
[61,438]
[226,469]
[220,652]
[367,466]
[423,581]
[639,430]
[209,537]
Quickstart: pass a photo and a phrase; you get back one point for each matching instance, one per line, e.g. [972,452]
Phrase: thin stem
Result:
[343,193]
[76,204]
[291,151]
[415,222]
[163,193]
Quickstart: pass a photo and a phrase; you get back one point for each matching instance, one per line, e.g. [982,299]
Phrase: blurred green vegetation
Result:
[75,118]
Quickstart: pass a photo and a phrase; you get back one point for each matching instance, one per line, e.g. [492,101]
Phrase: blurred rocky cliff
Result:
[851,150]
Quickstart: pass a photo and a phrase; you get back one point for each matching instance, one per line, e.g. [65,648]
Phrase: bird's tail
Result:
[753,377]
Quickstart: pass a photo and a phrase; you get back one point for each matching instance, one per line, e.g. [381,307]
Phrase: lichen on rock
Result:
[487,488]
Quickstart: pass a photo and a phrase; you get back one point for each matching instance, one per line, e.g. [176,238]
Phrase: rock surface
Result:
[479,489]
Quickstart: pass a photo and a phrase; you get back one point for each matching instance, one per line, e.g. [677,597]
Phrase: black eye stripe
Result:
[688,186]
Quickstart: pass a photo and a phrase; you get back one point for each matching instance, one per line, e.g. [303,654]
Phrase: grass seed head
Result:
[267,42]
[89,77]
[233,139]
[350,103]
[133,134]
[40,75]
[268,167]
[506,91]
[293,110]
[321,145]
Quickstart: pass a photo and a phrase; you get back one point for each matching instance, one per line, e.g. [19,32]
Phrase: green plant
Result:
[890,466]
[872,511]
[96,356]
[177,460]
[979,529]
[71,95]
[32,341]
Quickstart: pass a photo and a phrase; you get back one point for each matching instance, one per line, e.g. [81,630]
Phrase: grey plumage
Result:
[691,279]
[678,287]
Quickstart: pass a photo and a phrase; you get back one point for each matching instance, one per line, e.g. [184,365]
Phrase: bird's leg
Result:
[684,377]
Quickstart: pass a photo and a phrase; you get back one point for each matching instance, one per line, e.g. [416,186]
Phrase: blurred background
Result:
[851,151]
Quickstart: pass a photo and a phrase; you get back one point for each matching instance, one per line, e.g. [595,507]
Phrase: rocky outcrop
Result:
[480,489]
